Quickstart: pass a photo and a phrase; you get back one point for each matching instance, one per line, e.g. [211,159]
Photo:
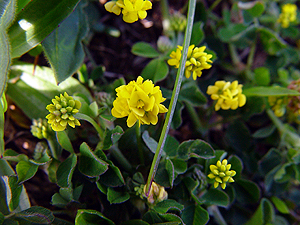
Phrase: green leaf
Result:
[89,164]
[280,205]
[257,9]
[33,24]
[156,70]
[144,49]
[59,201]
[64,141]
[13,192]
[262,76]
[25,170]
[168,204]
[7,12]
[135,222]
[271,41]
[246,191]
[236,165]
[33,92]
[263,215]
[170,170]
[65,171]
[115,197]
[195,215]
[149,141]
[112,136]
[270,91]
[215,197]
[113,176]
[153,217]
[191,94]
[36,214]
[180,166]
[63,47]
[228,32]
[264,132]
[197,33]
[92,217]
[195,148]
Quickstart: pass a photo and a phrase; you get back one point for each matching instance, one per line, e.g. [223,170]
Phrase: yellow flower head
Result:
[157,193]
[41,129]
[228,95]
[288,14]
[139,101]
[278,105]
[62,111]
[197,60]
[132,10]
[221,173]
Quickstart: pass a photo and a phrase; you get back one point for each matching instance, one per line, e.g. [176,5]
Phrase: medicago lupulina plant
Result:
[149,112]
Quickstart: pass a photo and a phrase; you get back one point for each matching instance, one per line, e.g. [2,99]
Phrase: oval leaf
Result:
[156,70]
[144,49]
[270,91]
[92,217]
[65,171]
[25,171]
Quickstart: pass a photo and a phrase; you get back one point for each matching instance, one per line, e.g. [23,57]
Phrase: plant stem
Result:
[251,55]
[234,56]
[118,155]
[180,72]
[139,143]
[194,116]
[217,215]
[81,116]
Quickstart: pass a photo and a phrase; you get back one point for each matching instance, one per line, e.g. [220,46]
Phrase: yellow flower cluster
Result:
[132,10]
[157,193]
[62,111]
[288,14]
[41,129]
[139,101]
[228,95]
[221,173]
[278,105]
[197,60]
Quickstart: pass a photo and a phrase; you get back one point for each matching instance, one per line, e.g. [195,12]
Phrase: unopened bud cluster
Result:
[157,193]
[41,129]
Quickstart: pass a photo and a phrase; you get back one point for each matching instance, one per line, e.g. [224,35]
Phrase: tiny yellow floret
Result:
[221,173]
[227,95]
[139,100]
[132,10]
[288,14]
[278,105]
[197,60]
[62,112]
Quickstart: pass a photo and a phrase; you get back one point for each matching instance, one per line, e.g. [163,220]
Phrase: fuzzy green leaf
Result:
[65,171]
[33,24]
[145,50]
[25,171]
[36,214]
[115,197]
[91,217]
[269,91]
[166,205]
[63,47]
[89,164]
[195,215]
[156,70]
[64,141]
[215,197]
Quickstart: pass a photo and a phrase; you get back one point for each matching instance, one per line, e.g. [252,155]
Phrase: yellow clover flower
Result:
[157,193]
[62,111]
[278,105]
[221,173]
[139,101]
[288,14]
[197,60]
[228,95]
[132,10]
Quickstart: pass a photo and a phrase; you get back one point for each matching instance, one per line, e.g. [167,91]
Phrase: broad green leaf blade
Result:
[168,204]
[145,50]
[156,70]
[280,205]
[64,140]
[91,217]
[215,197]
[65,171]
[246,191]
[7,12]
[149,141]
[195,148]
[63,47]
[112,177]
[191,94]
[33,92]
[115,197]
[112,136]
[36,214]
[33,24]
[195,215]
[264,214]
[25,170]
[89,164]
[269,91]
